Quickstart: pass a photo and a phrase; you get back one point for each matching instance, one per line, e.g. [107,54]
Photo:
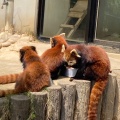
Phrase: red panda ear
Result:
[63,48]
[22,53]
[74,53]
[63,35]
[33,48]
[51,42]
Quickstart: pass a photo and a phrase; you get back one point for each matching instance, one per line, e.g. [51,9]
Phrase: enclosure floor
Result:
[9,59]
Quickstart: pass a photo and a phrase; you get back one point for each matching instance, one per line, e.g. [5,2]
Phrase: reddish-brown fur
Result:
[4,79]
[97,68]
[52,57]
[35,75]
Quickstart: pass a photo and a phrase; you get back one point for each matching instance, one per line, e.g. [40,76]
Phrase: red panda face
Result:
[71,57]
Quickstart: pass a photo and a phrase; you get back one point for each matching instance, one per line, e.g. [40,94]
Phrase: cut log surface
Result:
[54,102]
[39,104]
[68,100]
[108,99]
[19,107]
[82,99]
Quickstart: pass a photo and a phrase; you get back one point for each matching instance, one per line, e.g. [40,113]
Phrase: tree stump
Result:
[116,115]
[39,105]
[4,109]
[108,99]
[82,99]
[68,100]
[54,102]
[19,107]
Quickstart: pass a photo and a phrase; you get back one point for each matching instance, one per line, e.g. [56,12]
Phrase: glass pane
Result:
[67,16]
[108,20]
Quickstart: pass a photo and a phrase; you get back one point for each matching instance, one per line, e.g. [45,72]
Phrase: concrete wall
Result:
[55,14]
[2,15]
[25,15]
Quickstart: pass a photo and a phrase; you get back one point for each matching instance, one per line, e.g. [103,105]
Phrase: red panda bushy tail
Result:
[96,93]
[3,93]
[4,79]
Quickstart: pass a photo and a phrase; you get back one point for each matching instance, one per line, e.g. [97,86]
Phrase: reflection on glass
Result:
[108,20]
[67,16]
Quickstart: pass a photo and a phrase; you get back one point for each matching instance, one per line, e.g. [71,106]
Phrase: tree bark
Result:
[19,107]
[54,102]
[68,100]
[39,105]
[108,99]
[82,99]
[4,109]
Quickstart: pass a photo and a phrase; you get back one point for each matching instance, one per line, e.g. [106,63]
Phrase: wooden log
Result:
[4,109]
[19,107]
[38,105]
[108,99]
[68,100]
[82,99]
[116,114]
[54,102]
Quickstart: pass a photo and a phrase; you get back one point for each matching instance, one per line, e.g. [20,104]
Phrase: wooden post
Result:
[4,109]
[54,102]
[116,114]
[68,100]
[19,107]
[108,99]
[82,99]
[39,105]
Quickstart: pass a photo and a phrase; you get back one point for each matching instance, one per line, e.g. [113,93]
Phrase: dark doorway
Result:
[70,15]
[40,17]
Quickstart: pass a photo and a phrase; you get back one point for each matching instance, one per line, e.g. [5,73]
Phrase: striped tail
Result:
[95,96]
[9,78]
[3,93]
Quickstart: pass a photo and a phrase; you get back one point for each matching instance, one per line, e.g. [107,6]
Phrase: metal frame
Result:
[93,10]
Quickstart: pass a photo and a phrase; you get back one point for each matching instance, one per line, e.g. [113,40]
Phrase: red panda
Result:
[35,75]
[52,57]
[93,64]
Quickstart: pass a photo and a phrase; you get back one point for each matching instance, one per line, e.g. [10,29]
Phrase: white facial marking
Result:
[71,62]
[50,40]
[63,48]
[62,34]
[64,57]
